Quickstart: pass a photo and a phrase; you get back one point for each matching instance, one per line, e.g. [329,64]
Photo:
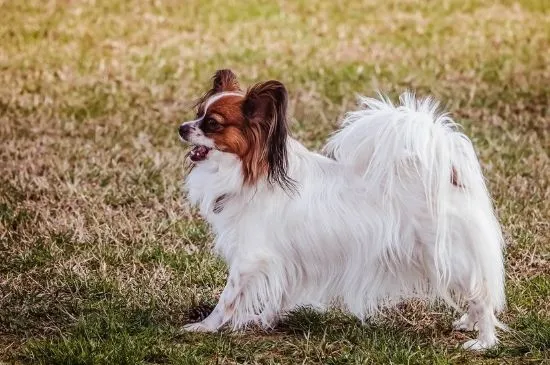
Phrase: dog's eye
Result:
[212,124]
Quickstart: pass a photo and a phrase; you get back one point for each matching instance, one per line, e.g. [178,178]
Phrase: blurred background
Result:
[101,258]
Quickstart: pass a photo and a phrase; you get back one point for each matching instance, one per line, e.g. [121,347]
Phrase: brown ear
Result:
[225,80]
[265,108]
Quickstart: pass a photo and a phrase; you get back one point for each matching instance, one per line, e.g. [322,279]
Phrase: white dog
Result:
[399,209]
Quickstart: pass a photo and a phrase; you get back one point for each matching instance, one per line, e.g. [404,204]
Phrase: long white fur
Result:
[377,223]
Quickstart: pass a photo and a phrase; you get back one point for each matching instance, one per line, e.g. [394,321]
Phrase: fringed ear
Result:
[265,108]
[223,80]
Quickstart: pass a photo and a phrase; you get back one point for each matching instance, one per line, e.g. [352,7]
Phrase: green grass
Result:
[101,258]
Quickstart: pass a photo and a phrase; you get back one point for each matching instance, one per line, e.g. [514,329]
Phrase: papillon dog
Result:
[395,208]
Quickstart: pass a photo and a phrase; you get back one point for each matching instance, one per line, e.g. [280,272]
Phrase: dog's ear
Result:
[225,80]
[265,108]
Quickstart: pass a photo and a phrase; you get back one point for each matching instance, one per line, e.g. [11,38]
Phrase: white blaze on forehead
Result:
[211,100]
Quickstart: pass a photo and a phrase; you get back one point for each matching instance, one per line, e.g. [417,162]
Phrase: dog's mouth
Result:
[199,153]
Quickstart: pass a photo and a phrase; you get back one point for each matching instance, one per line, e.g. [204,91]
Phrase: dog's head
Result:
[250,124]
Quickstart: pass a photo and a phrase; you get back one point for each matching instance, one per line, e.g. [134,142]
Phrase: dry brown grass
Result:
[100,252]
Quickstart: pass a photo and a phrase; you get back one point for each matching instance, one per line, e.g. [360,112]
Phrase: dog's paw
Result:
[266,322]
[198,327]
[464,324]
[477,345]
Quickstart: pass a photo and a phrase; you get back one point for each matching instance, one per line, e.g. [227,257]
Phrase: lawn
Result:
[101,258]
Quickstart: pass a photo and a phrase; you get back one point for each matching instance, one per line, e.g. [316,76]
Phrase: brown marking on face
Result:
[237,135]
[223,80]
[251,126]
[227,110]
[229,136]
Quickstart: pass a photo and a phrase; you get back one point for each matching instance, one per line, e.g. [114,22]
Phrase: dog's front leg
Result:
[245,298]
[215,320]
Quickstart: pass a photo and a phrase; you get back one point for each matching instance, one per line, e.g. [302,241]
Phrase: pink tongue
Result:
[198,153]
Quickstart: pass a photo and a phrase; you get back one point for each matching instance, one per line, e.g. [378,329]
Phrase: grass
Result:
[101,258]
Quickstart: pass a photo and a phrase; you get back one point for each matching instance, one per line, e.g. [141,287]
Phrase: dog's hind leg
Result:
[481,316]
[467,322]
[477,277]
[480,313]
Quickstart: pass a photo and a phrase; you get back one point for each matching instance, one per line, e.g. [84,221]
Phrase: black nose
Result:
[184,130]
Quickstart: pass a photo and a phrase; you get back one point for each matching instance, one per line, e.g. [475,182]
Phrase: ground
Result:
[101,258]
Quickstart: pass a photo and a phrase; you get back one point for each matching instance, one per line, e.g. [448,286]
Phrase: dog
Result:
[395,208]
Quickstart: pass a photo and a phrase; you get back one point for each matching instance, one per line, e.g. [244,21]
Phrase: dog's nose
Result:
[184,130]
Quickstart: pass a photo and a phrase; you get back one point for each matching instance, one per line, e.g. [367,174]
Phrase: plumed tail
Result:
[413,150]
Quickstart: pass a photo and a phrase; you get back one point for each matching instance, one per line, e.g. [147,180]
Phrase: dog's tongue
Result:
[198,153]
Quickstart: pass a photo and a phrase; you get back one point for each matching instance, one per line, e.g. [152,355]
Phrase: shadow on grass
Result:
[114,333]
